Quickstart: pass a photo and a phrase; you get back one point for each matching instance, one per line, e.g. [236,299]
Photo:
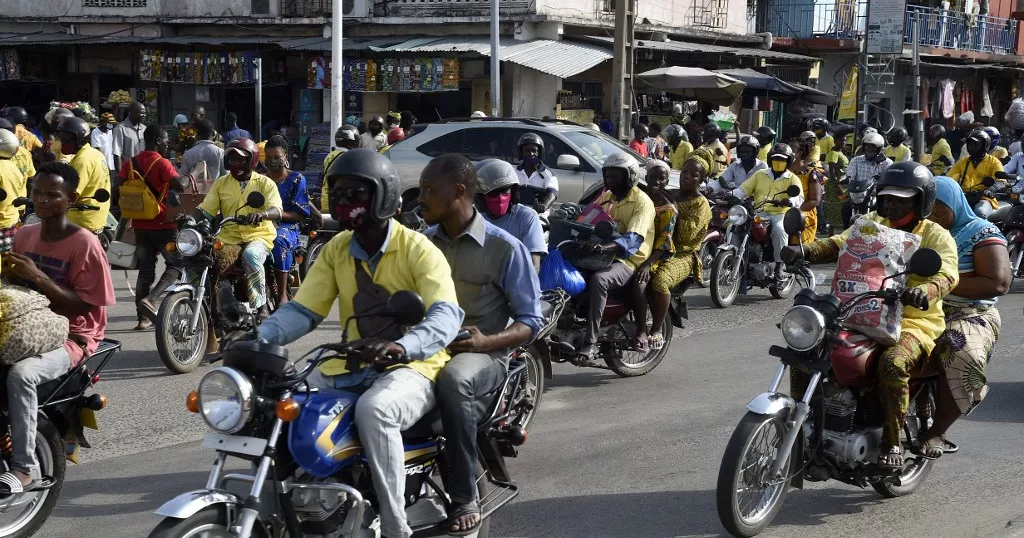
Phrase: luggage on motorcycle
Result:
[873,253]
[556,272]
[27,325]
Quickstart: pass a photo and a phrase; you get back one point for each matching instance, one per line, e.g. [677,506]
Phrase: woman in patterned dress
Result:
[972,321]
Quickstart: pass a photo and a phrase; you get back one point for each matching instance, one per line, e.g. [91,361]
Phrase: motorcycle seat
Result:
[330,225]
[430,425]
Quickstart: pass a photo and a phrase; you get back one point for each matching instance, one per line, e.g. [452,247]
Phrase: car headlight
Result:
[188,242]
[225,399]
[858,197]
[803,328]
[738,215]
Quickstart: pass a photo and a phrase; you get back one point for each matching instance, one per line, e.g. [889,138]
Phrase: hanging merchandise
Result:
[10,67]
[924,99]
[451,74]
[387,75]
[197,67]
[967,100]
[946,98]
[986,103]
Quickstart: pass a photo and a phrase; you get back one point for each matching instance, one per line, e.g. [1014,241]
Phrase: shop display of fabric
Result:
[371,75]
[966,100]
[986,103]
[387,74]
[451,74]
[946,99]
[197,67]
[10,67]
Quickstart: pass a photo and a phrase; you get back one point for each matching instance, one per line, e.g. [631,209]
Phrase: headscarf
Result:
[968,229]
[704,157]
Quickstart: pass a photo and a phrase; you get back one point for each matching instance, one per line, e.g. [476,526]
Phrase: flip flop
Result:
[656,341]
[933,444]
[464,510]
[891,459]
[10,484]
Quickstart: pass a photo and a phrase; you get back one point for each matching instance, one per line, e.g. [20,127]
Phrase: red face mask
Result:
[498,205]
[351,215]
[238,171]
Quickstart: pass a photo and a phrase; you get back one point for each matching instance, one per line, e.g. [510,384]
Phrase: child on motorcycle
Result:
[906,199]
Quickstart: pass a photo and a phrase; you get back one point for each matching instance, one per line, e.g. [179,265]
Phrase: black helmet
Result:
[896,136]
[765,135]
[349,133]
[913,176]
[749,141]
[531,138]
[781,150]
[75,126]
[711,131]
[936,131]
[820,123]
[5,124]
[16,115]
[979,135]
[370,166]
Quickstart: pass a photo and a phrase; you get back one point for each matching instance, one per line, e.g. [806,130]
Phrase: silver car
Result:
[573,152]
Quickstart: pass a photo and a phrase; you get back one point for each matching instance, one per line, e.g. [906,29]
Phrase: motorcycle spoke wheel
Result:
[707,259]
[180,349]
[748,496]
[1016,255]
[633,362]
[22,515]
[724,286]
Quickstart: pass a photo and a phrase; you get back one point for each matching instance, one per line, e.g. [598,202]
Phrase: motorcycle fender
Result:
[175,288]
[542,351]
[713,235]
[770,403]
[726,247]
[186,505]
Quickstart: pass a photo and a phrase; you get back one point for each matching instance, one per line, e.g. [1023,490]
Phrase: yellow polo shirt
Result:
[93,175]
[634,213]
[937,165]
[970,177]
[762,186]
[825,144]
[10,180]
[409,262]
[325,187]
[679,155]
[763,154]
[898,153]
[226,197]
[23,159]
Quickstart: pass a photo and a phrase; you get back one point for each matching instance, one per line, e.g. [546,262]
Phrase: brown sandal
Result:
[891,459]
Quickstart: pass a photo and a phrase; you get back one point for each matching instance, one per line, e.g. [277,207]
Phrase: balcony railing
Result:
[947,29]
[835,19]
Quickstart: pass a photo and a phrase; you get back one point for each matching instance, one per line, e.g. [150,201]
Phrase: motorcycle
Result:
[186,330]
[1010,219]
[746,257]
[834,429]
[111,231]
[310,474]
[861,193]
[64,410]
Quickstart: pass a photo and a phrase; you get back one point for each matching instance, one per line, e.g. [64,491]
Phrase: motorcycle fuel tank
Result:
[323,439]
[761,230]
[853,358]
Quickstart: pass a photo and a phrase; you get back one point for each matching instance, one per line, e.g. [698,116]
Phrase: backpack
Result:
[137,199]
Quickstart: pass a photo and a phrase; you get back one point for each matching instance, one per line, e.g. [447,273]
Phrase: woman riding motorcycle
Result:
[812,179]
[906,199]
[295,208]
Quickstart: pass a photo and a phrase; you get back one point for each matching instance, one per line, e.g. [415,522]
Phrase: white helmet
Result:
[626,163]
[478,114]
[592,127]
[9,144]
[874,139]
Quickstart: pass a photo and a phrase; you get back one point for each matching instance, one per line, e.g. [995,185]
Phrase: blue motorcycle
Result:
[310,475]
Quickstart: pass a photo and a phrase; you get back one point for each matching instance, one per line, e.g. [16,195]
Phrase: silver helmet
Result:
[496,174]
[9,144]
[625,162]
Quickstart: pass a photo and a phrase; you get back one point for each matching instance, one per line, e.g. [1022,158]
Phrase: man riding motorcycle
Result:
[345,139]
[865,167]
[766,185]
[498,202]
[941,154]
[766,137]
[478,252]
[253,238]
[745,165]
[711,135]
[633,213]
[897,150]
[971,171]
[92,169]
[994,148]
[533,173]
[361,268]
[906,198]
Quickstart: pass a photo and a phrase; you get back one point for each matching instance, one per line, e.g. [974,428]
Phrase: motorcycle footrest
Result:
[501,494]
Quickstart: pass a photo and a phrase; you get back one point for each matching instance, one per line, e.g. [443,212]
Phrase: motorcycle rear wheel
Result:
[723,292]
[751,441]
[50,454]
[914,472]
[1015,251]
[651,359]
[784,291]
[174,315]
[535,384]
[210,522]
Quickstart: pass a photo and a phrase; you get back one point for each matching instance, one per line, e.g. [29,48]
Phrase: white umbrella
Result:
[693,83]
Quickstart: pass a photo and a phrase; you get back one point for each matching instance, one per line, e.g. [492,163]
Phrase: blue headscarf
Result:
[968,229]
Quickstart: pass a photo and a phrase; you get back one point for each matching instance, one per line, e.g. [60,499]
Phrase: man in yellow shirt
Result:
[897,150]
[93,172]
[254,236]
[633,213]
[711,139]
[23,159]
[906,194]
[825,141]
[971,171]
[10,180]
[345,139]
[808,148]
[18,117]
[766,137]
[768,186]
[679,143]
[360,269]
[941,154]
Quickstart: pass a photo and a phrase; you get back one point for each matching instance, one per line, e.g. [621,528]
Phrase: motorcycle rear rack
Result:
[500,495]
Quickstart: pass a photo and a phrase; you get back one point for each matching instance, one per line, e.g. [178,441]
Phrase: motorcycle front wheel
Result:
[1016,253]
[748,499]
[24,515]
[210,522]
[724,288]
[181,351]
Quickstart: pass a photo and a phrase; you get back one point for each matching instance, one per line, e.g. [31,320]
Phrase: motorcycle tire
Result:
[50,453]
[723,293]
[651,360]
[707,258]
[918,471]
[312,253]
[786,290]
[210,521]
[744,440]
[535,384]
[1015,251]
[164,339]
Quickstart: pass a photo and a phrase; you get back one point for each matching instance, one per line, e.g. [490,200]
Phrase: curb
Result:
[1014,528]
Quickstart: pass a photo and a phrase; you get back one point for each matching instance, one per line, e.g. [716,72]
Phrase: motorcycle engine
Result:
[841,439]
[320,511]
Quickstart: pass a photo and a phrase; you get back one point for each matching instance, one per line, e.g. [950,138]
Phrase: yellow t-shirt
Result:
[1000,153]
[925,325]
[226,196]
[815,156]
[938,165]
[763,154]
[410,262]
[679,155]
[23,159]
[28,140]
[970,177]
[325,187]
[10,180]
[762,186]
[634,213]
[837,157]
[718,149]
[898,153]
[93,175]
[825,144]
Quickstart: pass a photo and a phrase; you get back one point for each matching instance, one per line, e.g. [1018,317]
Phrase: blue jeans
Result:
[23,381]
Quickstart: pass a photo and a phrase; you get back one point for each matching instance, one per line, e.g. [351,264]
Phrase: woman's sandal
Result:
[11,484]
[640,344]
[891,459]
[464,510]
[656,341]
[930,449]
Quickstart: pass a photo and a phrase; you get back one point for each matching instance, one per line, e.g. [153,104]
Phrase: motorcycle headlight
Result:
[738,215]
[858,197]
[188,242]
[803,328]
[225,399]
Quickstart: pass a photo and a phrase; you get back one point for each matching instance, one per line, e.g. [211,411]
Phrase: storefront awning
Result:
[703,48]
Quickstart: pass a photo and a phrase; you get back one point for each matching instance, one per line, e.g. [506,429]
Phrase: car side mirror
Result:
[792,191]
[405,308]
[255,200]
[925,263]
[567,162]
[605,230]
[173,199]
[793,222]
[101,195]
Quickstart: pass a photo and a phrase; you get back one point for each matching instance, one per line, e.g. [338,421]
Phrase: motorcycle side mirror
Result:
[255,200]
[604,230]
[405,308]
[1002,175]
[101,196]
[3,195]
[925,263]
[793,222]
[21,201]
[792,191]
[172,198]
[988,182]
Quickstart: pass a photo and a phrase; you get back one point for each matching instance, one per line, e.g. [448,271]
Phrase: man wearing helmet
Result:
[345,139]
[766,138]
[897,150]
[711,136]
[252,239]
[906,194]
[865,167]
[541,185]
[23,159]
[678,144]
[360,269]
[941,156]
[994,149]
[745,165]
[765,185]
[11,181]
[374,138]
[972,171]
[824,141]
[498,201]
[633,213]
[18,117]
[93,173]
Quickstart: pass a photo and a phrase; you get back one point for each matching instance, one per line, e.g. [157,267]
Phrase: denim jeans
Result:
[23,404]
[150,244]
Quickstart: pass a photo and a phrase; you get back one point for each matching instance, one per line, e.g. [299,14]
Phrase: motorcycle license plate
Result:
[236,444]
[303,241]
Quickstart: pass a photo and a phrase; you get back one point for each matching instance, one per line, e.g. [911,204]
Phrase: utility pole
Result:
[916,99]
[496,110]
[337,100]
[259,98]
[623,67]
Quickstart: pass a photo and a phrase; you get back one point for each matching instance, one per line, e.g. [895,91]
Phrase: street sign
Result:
[885,26]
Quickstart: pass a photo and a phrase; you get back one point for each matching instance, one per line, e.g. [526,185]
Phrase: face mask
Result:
[779,166]
[531,162]
[276,165]
[498,205]
[747,162]
[351,215]
[904,221]
[238,171]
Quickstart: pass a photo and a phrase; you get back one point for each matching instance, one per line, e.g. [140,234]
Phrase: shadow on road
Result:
[1004,403]
[134,365]
[137,494]
[583,378]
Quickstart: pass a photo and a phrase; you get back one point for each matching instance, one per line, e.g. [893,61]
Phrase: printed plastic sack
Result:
[872,253]
[595,212]
[1015,115]
[556,272]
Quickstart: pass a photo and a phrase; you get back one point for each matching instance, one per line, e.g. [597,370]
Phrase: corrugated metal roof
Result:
[684,46]
[79,39]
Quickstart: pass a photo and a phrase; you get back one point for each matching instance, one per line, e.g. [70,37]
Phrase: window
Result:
[260,7]
[114,3]
[598,145]
[475,144]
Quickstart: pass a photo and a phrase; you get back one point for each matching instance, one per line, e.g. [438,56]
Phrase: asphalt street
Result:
[606,458]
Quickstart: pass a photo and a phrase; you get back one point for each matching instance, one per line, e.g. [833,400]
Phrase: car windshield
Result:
[599,145]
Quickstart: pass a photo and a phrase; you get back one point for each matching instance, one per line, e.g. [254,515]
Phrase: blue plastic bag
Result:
[556,272]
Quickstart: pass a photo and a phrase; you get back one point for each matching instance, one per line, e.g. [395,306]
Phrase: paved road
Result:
[607,457]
